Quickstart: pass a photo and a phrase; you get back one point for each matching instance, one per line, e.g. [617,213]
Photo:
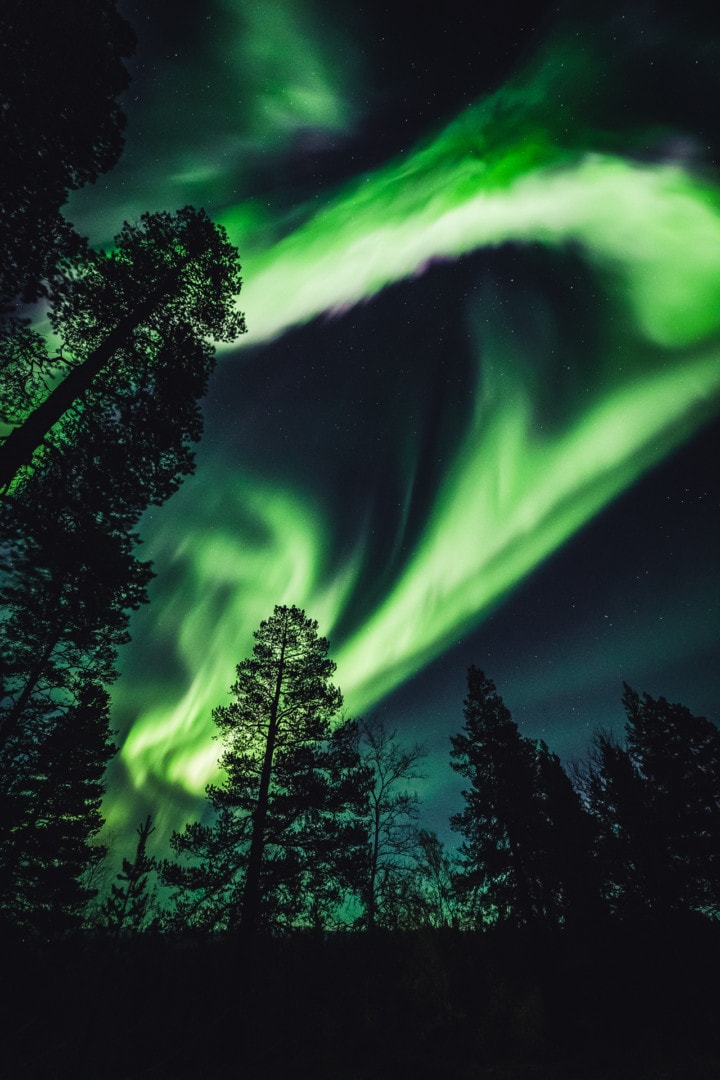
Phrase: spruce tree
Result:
[656,800]
[525,833]
[128,906]
[50,805]
[677,755]
[617,801]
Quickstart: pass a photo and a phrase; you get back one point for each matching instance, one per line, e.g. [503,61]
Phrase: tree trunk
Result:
[251,893]
[371,913]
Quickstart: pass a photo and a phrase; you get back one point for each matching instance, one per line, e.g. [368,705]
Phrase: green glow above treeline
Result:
[513,491]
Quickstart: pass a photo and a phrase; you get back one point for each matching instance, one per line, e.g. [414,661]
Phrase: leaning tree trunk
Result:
[24,440]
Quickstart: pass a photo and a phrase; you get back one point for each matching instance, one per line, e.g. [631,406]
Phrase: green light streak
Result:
[513,493]
[510,499]
[518,166]
[654,230]
[259,82]
[271,543]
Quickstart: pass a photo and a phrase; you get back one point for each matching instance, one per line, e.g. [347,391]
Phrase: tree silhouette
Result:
[131,897]
[615,797]
[287,839]
[69,576]
[563,857]
[61,73]
[392,822]
[526,836]
[657,804]
[50,808]
[168,288]
[67,592]
[68,584]
[434,876]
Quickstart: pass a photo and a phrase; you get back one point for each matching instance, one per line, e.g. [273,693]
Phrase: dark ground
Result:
[620,1003]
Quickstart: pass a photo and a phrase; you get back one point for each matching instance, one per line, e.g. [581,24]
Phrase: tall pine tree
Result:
[287,840]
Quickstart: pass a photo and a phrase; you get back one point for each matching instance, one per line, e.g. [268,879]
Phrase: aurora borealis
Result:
[473,417]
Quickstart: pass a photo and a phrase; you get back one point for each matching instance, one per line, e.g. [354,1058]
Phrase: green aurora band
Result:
[514,491]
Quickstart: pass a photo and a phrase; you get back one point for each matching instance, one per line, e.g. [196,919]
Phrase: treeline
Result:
[317,823]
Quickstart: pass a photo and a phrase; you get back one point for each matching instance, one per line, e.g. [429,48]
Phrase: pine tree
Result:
[287,839]
[525,833]
[167,291]
[131,896]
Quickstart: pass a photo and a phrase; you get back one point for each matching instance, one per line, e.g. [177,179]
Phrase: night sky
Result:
[475,415]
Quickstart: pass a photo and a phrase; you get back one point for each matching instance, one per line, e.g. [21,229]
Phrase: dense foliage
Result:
[61,74]
[85,459]
[656,801]
[526,851]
